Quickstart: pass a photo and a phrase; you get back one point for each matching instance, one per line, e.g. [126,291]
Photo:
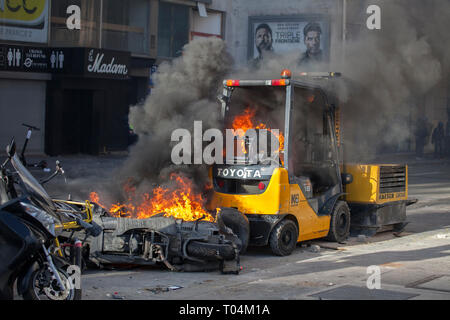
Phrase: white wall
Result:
[211,24]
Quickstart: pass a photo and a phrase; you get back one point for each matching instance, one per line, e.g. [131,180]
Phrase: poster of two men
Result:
[306,35]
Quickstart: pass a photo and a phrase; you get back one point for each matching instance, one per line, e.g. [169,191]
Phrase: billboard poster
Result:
[24,20]
[306,35]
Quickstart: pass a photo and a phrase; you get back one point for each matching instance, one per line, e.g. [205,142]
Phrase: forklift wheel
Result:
[339,223]
[283,238]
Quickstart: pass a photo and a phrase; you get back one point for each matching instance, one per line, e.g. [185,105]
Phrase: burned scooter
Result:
[177,244]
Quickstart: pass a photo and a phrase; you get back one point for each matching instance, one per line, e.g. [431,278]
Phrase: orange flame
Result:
[179,201]
[245,121]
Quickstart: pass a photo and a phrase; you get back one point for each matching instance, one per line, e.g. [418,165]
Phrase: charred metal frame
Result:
[179,245]
[289,83]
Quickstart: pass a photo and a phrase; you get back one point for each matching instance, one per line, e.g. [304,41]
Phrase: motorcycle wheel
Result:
[43,287]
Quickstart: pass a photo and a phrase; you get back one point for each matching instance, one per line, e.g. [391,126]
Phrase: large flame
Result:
[246,121]
[178,201]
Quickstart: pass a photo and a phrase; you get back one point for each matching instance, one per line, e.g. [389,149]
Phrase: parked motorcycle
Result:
[29,222]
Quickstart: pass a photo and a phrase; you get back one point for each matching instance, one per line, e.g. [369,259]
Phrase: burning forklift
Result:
[303,192]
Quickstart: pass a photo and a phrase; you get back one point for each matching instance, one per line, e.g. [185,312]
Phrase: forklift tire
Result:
[283,238]
[339,223]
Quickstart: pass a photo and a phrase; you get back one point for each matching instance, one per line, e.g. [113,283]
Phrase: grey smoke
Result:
[386,72]
[185,91]
[391,70]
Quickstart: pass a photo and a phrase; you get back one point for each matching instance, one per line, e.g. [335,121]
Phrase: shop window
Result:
[173,29]
[88,36]
[126,25]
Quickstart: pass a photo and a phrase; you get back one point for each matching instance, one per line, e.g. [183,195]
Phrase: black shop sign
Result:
[33,59]
[18,58]
[107,64]
[86,62]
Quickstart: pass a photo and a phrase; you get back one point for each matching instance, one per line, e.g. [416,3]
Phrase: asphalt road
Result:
[414,265]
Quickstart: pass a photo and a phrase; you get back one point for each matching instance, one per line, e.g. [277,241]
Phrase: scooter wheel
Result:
[42,287]
[237,222]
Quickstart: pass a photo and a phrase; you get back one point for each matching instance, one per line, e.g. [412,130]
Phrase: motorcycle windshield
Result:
[33,187]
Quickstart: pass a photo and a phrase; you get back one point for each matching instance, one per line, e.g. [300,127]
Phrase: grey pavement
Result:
[413,265]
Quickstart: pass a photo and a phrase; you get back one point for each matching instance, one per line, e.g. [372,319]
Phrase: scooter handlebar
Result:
[92,228]
[59,167]
[31,127]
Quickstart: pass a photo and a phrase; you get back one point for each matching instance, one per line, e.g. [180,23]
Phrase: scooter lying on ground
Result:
[177,244]
[29,223]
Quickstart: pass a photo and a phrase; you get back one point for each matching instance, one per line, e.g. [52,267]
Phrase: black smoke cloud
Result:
[185,91]
[386,75]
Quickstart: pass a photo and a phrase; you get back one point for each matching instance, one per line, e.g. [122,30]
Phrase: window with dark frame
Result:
[89,34]
[173,29]
[124,25]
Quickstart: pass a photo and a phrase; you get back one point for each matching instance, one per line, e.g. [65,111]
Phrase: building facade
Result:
[77,83]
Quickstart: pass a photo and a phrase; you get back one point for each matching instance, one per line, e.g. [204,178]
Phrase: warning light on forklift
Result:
[280,82]
[275,82]
[233,83]
[261,186]
[286,74]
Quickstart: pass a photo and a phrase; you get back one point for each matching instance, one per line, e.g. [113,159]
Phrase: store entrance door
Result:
[79,123]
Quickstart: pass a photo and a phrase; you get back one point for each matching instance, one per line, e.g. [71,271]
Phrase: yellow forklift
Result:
[303,191]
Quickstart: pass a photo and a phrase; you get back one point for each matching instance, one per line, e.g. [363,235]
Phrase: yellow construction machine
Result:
[302,190]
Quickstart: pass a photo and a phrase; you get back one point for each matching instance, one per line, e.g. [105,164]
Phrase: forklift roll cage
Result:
[289,84]
[305,195]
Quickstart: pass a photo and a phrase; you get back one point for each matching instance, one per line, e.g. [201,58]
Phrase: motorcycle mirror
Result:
[11,148]
[59,167]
